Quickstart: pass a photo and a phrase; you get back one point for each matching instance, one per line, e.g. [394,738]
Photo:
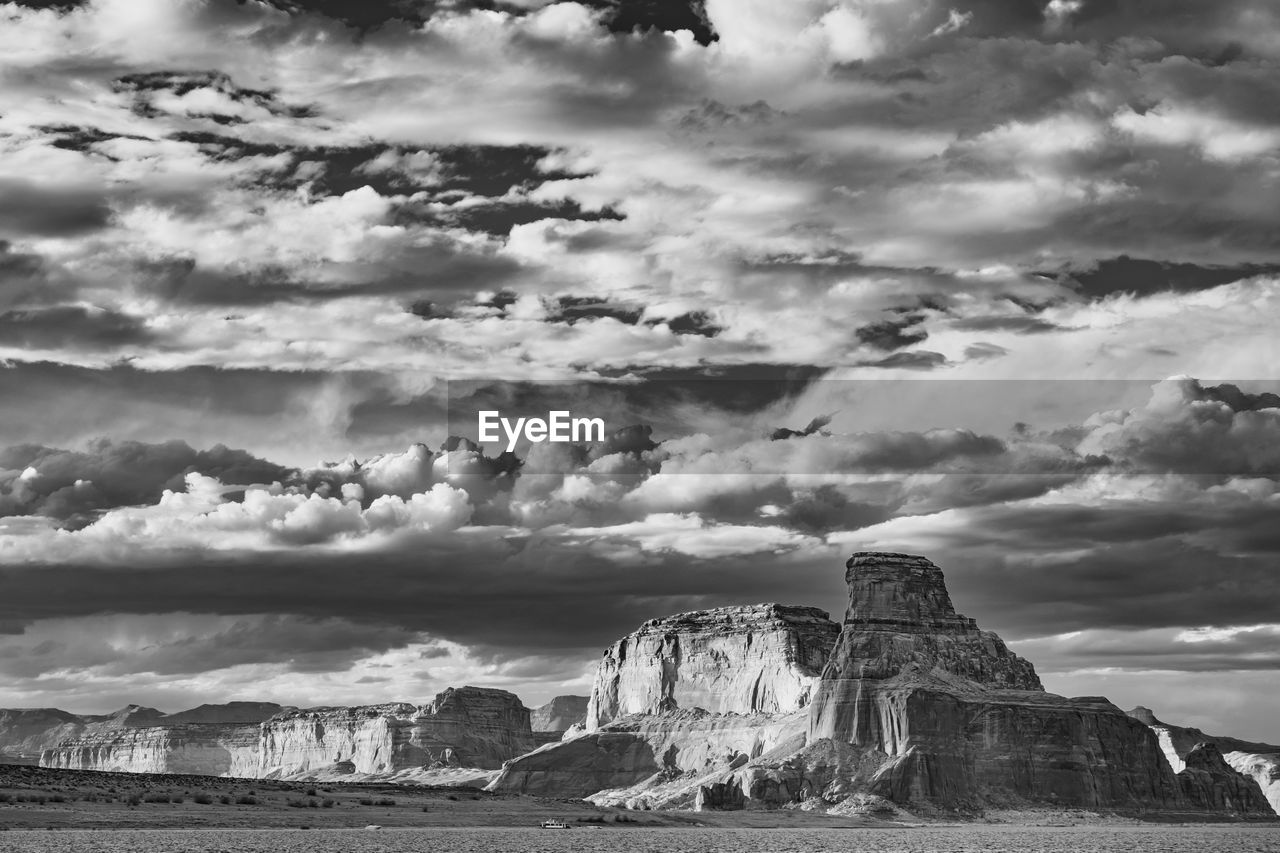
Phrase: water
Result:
[1144,839]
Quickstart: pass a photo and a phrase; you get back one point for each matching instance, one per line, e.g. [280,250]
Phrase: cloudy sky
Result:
[993,281]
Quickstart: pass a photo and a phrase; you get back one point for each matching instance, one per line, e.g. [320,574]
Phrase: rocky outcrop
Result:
[559,715]
[761,659]
[470,727]
[914,705]
[1259,762]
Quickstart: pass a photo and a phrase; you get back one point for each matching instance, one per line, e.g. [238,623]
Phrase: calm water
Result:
[1227,839]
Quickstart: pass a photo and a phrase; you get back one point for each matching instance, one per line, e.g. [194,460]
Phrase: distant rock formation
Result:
[27,732]
[906,704]
[559,715]
[461,733]
[472,727]
[1259,762]
[213,740]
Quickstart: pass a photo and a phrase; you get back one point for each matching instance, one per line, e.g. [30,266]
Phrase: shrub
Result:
[296,804]
[202,798]
[225,800]
[385,803]
[249,800]
[327,803]
[366,802]
[134,800]
[156,798]
[311,792]
[312,804]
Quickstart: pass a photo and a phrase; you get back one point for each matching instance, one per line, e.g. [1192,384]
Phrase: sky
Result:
[991,281]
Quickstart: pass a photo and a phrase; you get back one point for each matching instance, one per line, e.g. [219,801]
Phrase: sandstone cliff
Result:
[708,689]
[470,727]
[215,740]
[761,659]
[559,715]
[1259,762]
[915,706]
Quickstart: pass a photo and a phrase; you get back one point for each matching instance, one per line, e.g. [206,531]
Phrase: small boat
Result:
[553,823]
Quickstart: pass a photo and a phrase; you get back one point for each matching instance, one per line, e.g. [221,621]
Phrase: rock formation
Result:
[27,732]
[702,689]
[462,733]
[472,727]
[911,704]
[214,740]
[1259,762]
[762,659]
[559,715]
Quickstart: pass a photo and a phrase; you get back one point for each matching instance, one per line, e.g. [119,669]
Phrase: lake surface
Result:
[1162,839]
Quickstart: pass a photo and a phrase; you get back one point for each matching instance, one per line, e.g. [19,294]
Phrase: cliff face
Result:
[463,727]
[914,706]
[681,695]
[1258,762]
[761,659]
[560,714]
[211,750]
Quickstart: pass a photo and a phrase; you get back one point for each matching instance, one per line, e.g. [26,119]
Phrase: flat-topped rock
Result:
[753,659]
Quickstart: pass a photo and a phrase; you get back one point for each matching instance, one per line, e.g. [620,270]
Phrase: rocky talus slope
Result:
[910,705]
[1257,761]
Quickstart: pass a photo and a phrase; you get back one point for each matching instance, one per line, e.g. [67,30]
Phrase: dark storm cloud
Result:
[72,326]
[302,644]
[571,309]
[433,590]
[58,404]
[67,484]
[437,264]
[914,360]
[891,335]
[1021,324]
[28,209]
[1145,277]
[499,217]
[1117,567]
